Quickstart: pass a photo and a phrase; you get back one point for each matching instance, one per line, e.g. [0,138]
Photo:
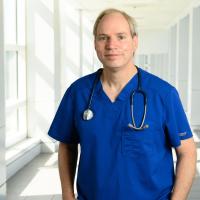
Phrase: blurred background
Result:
[47,44]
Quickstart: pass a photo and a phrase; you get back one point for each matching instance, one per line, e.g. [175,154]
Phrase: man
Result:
[126,151]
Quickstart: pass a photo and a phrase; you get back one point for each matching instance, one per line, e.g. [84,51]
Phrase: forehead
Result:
[113,23]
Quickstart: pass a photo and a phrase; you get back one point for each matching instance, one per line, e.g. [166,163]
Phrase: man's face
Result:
[114,44]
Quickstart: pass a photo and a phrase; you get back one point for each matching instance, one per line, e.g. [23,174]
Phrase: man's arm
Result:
[185,169]
[67,160]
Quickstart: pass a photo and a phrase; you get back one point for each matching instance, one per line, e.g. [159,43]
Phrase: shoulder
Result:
[83,83]
[156,84]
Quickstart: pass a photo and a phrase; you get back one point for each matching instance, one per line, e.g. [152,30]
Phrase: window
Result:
[15,71]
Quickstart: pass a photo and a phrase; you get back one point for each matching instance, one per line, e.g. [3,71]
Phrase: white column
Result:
[87,44]
[70,43]
[165,66]
[195,108]
[152,63]
[2,109]
[42,76]
[57,55]
[183,60]
[177,56]
[81,41]
[173,55]
[190,52]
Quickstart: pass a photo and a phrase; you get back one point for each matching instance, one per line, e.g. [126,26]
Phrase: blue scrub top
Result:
[117,162]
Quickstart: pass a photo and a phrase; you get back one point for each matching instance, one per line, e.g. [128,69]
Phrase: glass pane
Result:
[10,21]
[21,76]
[12,121]
[11,75]
[21,22]
[22,118]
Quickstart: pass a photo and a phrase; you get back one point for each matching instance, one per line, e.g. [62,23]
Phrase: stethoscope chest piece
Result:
[88,114]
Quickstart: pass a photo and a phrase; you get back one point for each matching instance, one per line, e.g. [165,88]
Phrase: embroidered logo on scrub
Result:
[182,134]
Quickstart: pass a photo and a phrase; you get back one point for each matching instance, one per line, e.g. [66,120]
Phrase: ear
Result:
[135,41]
[95,44]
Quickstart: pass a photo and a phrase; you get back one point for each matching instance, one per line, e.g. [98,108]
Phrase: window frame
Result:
[18,104]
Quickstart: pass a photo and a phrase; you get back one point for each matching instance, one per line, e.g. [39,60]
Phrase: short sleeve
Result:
[62,127]
[177,125]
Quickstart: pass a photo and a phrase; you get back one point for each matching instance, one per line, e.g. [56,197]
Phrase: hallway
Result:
[39,180]
[45,45]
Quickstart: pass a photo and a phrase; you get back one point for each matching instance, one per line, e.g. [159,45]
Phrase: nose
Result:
[111,43]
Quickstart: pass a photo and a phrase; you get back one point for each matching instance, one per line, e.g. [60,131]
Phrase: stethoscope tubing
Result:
[88,113]
[133,125]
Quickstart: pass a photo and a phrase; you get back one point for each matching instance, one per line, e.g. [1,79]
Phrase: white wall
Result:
[2,109]
[153,41]
[87,50]
[184,54]
[41,82]
[172,54]
[195,87]
[76,43]
[152,53]
[55,58]
[183,60]
[70,40]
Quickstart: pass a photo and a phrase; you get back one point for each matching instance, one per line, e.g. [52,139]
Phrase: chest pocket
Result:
[139,143]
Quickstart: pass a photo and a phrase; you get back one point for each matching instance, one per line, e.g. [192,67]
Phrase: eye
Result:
[121,37]
[102,38]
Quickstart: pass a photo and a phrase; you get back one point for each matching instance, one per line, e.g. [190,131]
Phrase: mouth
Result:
[111,55]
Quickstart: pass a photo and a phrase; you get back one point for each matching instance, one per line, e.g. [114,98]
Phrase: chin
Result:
[112,68]
[112,65]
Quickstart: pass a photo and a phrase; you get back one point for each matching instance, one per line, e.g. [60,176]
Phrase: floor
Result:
[39,180]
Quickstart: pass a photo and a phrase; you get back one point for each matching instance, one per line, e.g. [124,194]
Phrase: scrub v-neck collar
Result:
[125,92]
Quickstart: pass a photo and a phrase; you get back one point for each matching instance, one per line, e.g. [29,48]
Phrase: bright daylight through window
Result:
[15,71]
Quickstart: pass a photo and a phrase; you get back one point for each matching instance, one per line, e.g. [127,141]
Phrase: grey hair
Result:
[131,21]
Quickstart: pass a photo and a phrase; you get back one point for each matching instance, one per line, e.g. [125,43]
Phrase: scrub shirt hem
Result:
[66,141]
[189,135]
[182,138]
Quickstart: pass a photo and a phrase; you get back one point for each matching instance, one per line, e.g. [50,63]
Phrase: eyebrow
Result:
[120,33]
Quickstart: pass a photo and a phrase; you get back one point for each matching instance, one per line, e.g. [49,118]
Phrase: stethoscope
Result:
[88,113]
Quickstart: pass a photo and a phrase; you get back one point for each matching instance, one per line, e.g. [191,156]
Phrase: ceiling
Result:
[149,14]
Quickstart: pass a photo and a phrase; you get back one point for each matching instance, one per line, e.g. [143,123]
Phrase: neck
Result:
[117,79]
